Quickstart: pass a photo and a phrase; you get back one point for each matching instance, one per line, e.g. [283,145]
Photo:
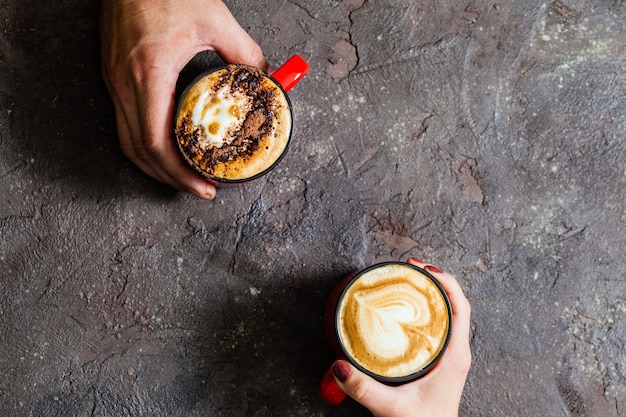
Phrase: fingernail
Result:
[433,268]
[341,370]
[210,192]
[417,260]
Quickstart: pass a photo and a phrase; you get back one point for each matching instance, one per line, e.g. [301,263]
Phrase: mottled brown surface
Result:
[487,138]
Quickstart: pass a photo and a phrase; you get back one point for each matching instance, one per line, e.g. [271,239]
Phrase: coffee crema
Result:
[233,124]
[393,320]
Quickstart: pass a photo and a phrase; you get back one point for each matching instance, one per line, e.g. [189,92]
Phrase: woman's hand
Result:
[437,394]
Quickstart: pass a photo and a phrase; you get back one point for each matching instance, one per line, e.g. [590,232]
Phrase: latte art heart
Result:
[393,317]
[393,326]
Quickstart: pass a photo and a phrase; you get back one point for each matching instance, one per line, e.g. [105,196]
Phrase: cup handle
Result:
[291,72]
[329,390]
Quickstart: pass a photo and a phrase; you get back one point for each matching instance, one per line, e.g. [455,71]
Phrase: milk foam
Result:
[219,113]
[394,321]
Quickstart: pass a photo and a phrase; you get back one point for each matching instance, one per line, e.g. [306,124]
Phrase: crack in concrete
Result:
[412,53]
[350,37]
[299,6]
[345,53]
[240,225]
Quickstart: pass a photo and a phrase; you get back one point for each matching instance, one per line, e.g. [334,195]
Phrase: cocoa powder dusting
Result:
[253,123]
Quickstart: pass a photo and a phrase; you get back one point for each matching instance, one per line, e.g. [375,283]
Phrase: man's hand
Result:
[145,44]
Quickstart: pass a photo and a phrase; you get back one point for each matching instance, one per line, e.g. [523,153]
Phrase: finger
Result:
[157,105]
[147,159]
[123,94]
[370,393]
[145,129]
[232,42]
[128,146]
[458,353]
[129,135]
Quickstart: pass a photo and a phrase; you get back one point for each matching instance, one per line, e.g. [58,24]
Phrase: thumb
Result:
[364,389]
[232,42]
[239,48]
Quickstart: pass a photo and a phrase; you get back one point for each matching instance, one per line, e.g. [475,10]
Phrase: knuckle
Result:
[115,78]
[360,390]
[122,73]
[152,144]
[256,54]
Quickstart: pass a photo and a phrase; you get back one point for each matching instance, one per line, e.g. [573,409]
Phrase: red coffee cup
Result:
[234,123]
[392,321]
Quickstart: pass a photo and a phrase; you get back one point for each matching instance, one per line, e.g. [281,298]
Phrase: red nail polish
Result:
[417,260]
[341,370]
[433,268]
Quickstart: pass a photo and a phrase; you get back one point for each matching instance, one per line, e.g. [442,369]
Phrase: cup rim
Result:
[397,380]
[226,181]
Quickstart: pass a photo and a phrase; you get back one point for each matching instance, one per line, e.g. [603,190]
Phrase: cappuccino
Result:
[233,124]
[393,320]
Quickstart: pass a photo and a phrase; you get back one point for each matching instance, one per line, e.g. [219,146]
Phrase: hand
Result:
[437,394]
[145,44]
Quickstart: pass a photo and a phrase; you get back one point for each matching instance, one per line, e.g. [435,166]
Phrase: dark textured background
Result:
[485,137]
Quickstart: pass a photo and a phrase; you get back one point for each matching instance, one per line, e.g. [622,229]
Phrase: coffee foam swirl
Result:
[393,321]
[219,113]
[233,124]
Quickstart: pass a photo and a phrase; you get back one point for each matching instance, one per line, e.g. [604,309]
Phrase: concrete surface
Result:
[485,137]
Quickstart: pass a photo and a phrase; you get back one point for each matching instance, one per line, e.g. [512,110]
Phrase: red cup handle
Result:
[291,72]
[329,390]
